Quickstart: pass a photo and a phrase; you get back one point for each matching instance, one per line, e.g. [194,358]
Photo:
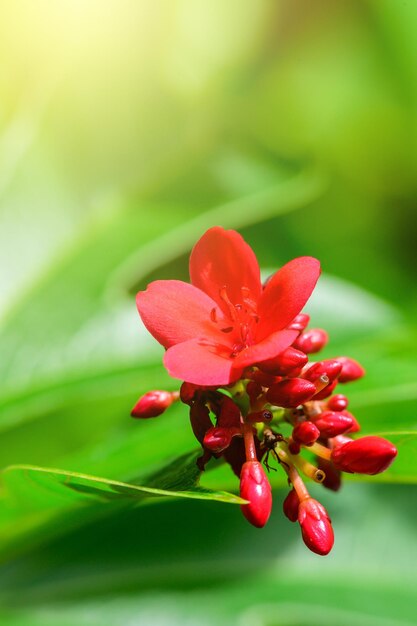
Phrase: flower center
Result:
[242,317]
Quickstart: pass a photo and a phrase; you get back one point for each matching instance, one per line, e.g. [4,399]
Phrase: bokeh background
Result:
[126,129]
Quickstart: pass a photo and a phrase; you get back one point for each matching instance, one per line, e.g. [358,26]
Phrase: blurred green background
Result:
[128,127]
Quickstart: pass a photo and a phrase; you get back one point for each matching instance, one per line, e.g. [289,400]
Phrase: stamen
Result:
[230,305]
[213,315]
[227,330]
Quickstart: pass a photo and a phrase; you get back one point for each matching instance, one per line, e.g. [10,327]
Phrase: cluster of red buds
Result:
[253,395]
[248,422]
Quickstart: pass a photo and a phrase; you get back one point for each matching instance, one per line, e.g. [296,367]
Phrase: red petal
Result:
[286,294]
[174,311]
[199,364]
[221,258]
[266,349]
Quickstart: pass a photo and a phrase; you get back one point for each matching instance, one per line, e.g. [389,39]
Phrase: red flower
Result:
[224,321]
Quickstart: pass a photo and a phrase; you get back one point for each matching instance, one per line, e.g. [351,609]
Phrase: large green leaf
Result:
[33,498]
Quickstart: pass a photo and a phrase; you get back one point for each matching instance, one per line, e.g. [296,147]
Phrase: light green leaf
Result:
[34,498]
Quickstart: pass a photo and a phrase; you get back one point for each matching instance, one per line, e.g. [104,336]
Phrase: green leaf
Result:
[33,498]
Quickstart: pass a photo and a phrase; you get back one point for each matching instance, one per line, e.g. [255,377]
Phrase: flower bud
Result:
[153,403]
[254,486]
[316,526]
[200,420]
[351,370]
[306,433]
[311,341]
[333,478]
[285,362]
[337,402]
[331,423]
[218,439]
[355,424]
[264,379]
[290,506]
[367,455]
[299,322]
[290,393]
[253,390]
[330,368]
[294,373]
[187,392]
[229,414]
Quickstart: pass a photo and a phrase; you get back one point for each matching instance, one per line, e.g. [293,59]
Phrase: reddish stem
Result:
[249,443]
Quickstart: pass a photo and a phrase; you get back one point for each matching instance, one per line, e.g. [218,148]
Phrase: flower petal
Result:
[199,364]
[266,349]
[174,311]
[221,258]
[286,294]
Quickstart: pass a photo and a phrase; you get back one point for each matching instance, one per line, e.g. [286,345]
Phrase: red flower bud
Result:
[285,362]
[253,390]
[263,379]
[316,526]
[351,370]
[218,439]
[306,433]
[333,479]
[295,372]
[187,392]
[153,403]
[331,423]
[254,486]
[337,402]
[311,341]
[200,420]
[299,322]
[368,455]
[355,424]
[290,506]
[290,393]
[229,415]
[330,368]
